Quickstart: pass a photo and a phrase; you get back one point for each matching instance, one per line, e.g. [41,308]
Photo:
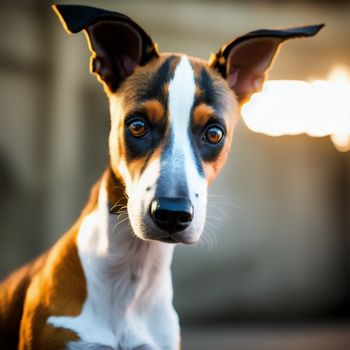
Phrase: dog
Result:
[106,284]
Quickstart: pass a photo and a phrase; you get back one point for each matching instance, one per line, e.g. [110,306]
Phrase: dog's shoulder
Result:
[57,288]
[12,296]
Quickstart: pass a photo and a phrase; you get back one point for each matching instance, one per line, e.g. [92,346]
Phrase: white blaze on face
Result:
[183,164]
[181,97]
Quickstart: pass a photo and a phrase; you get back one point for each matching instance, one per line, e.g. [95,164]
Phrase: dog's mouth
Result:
[171,237]
[168,240]
[177,237]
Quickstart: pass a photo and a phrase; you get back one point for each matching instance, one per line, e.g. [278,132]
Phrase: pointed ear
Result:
[244,61]
[118,45]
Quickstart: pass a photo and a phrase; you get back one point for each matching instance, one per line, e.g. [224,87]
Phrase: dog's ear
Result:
[244,61]
[118,45]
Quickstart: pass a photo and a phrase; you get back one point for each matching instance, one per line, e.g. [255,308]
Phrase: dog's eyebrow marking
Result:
[206,92]
[154,110]
[159,78]
[201,114]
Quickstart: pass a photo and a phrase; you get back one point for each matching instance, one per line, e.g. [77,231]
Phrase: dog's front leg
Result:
[81,345]
[148,347]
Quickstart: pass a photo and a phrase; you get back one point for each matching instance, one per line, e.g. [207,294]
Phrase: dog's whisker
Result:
[211,230]
[220,210]
[235,206]
[122,210]
[205,238]
[119,222]
[214,218]
[211,224]
[117,204]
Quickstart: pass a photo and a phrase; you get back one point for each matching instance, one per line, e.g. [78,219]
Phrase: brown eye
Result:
[137,128]
[214,134]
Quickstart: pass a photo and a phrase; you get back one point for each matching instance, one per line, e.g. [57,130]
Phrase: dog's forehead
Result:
[148,88]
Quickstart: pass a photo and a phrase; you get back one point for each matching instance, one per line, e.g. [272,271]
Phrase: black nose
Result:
[172,214]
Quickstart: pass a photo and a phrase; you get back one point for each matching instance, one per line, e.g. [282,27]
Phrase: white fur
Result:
[182,162]
[139,198]
[129,287]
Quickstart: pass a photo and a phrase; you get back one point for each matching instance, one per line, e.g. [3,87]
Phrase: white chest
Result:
[129,290]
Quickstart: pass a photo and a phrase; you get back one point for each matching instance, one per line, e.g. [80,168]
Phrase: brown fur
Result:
[116,192]
[202,114]
[154,110]
[53,284]
[12,295]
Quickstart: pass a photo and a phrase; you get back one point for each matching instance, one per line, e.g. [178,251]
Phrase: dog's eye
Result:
[138,128]
[214,134]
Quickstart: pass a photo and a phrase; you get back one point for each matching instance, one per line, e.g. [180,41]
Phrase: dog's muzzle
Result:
[171,214]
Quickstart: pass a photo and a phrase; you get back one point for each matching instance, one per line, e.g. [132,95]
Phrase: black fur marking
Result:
[196,153]
[208,93]
[117,43]
[220,60]
[151,89]
[162,76]
[79,17]
[212,96]
[141,86]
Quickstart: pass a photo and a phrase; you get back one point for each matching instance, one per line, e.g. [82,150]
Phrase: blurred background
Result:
[273,270]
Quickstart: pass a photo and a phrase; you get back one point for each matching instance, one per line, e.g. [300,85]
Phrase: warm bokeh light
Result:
[317,108]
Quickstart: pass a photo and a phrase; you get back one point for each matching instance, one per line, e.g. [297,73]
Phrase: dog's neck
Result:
[128,280]
[113,257]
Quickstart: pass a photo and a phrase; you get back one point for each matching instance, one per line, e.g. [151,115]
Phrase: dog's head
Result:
[172,116]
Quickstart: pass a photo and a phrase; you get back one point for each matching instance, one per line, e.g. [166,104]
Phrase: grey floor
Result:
[325,337]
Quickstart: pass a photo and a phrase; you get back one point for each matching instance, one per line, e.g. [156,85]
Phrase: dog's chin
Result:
[177,237]
[172,238]
[148,233]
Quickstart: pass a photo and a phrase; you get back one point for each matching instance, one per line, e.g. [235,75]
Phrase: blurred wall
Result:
[277,240]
